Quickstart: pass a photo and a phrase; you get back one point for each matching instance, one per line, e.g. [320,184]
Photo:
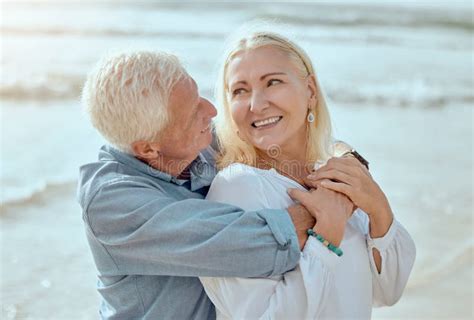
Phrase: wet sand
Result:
[47,269]
[48,273]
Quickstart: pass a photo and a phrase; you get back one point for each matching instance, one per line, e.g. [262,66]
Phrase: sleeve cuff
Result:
[314,248]
[283,230]
[384,242]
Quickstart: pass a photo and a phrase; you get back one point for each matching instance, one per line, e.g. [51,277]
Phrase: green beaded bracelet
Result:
[329,245]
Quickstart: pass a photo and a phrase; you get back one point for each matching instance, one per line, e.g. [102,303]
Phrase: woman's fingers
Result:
[347,164]
[315,175]
[332,174]
[298,195]
[324,202]
[338,187]
[335,163]
[345,189]
[349,177]
[346,170]
[311,183]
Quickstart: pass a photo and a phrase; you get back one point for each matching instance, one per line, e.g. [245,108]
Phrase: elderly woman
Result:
[275,126]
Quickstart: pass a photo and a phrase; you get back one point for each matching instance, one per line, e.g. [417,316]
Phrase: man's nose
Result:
[209,107]
[258,102]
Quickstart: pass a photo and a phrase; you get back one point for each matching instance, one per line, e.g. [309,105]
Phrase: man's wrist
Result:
[329,233]
[302,221]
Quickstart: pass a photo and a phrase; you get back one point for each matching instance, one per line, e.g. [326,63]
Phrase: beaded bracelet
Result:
[326,243]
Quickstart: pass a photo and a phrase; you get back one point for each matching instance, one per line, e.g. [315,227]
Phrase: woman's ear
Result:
[312,89]
[145,149]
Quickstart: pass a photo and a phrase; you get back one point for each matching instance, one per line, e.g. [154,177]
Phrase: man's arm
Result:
[299,294]
[136,229]
[302,220]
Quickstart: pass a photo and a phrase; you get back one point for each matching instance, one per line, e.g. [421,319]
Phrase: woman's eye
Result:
[238,91]
[272,82]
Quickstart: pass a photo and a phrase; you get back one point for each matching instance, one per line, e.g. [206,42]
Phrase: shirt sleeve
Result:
[135,228]
[297,294]
[398,252]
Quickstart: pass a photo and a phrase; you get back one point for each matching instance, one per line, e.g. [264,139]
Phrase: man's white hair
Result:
[126,96]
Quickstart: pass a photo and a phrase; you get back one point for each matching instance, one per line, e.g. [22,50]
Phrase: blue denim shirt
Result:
[152,235]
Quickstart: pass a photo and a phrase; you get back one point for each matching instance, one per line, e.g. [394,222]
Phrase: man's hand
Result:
[330,209]
[302,220]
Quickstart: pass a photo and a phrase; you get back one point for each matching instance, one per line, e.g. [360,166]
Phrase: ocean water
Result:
[399,80]
[392,56]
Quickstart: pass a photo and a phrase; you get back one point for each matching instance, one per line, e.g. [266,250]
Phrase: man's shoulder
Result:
[97,176]
[110,193]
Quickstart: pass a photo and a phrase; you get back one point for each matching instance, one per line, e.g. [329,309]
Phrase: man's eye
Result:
[272,82]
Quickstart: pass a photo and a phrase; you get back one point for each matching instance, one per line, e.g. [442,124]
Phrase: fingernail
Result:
[319,164]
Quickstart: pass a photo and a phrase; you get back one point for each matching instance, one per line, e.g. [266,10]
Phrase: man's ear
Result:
[145,149]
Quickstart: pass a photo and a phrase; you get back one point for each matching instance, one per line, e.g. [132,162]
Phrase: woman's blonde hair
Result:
[233,149]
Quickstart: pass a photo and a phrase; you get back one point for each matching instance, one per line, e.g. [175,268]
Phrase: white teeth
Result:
[266,121]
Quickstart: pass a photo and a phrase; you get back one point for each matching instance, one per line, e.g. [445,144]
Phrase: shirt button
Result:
[285,245]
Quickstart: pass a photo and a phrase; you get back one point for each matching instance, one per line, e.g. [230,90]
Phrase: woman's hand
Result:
[330,209]
[349,177]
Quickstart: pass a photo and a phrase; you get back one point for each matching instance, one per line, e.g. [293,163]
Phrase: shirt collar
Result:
[202,171]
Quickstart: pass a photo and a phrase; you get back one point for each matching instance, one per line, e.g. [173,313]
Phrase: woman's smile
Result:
[266,123]
[269,99]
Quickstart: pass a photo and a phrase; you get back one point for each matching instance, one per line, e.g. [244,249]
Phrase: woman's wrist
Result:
[380,223]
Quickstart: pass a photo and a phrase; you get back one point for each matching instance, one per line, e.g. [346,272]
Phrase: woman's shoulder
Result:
[239,185]
[238,171]
[240,178]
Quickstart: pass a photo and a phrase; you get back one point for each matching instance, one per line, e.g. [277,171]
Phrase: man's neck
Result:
[174,167]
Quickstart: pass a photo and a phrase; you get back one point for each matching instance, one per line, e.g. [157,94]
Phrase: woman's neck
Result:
[293,166]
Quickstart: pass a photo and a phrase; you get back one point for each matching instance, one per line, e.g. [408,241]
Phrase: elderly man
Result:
[149,228]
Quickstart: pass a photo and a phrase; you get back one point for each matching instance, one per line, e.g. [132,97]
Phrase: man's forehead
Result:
[185,87]
[184,93]
[187,79]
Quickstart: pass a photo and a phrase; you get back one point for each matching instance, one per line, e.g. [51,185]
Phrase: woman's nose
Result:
[258,102]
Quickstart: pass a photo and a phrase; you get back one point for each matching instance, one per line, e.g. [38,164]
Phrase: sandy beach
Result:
[399,81]
[47,269]
[48,272]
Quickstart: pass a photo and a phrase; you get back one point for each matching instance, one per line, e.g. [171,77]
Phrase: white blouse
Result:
[323,285]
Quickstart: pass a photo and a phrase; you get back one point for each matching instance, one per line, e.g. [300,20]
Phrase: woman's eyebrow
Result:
[261,78]
[271,74]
